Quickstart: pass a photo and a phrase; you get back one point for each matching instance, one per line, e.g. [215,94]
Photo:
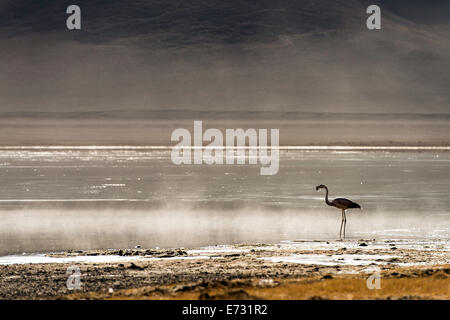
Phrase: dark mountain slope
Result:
[302,55]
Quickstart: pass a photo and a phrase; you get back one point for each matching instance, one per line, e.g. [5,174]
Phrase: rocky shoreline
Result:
[295,270]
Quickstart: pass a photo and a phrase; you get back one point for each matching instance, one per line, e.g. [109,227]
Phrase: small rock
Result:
[266,283]
[363,244]
[92,254]
[135,267]
[182,288]
[204,296]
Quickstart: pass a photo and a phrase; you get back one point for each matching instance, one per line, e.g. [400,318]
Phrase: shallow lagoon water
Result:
[85,198]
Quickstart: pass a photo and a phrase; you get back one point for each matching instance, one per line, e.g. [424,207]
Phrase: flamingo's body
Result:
[340,203]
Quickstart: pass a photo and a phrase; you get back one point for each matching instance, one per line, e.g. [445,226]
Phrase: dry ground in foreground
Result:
[402,283]
[243,273]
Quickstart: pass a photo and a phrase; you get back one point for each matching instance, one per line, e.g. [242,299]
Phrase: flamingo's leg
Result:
[345,222]
[342,223]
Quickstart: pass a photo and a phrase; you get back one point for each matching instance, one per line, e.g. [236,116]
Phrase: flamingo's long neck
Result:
[326,197]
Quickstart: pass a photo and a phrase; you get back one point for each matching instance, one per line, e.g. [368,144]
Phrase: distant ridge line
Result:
[287,148]
[192,114]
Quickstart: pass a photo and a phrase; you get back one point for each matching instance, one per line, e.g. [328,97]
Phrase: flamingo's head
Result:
[320,187]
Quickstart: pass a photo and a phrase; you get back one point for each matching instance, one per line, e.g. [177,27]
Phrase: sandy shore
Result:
[288,270]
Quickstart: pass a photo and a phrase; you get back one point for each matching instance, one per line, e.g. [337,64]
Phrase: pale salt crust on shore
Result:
[333,260]
[42,258]
[440,247]
[413,244]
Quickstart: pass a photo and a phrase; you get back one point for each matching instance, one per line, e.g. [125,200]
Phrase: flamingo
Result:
[340,203]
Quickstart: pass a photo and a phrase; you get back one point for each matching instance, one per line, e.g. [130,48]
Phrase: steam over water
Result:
[81,198]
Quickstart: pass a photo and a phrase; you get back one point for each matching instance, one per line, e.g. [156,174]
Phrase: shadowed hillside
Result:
[201,58]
